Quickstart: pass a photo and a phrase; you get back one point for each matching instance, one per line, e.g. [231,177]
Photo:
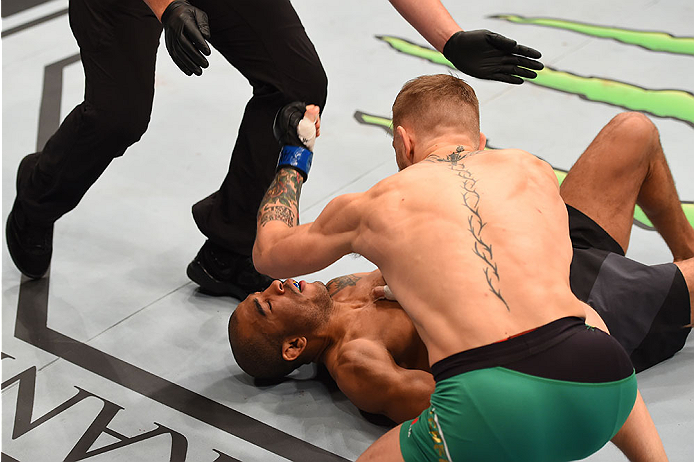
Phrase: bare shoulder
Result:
[519,154]
[344,201]
[360,356]
[518,158]
[342,213]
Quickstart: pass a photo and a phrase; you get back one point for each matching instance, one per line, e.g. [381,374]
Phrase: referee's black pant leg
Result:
[266,42]
[118,41]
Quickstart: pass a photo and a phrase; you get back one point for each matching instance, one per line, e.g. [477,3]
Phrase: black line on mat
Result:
[31,326]
[10,7]
[49,115]
[35,22]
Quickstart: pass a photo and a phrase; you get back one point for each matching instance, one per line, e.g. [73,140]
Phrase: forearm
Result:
[280,205]
[431,19]
[281,200]
[277,214]
[157,6]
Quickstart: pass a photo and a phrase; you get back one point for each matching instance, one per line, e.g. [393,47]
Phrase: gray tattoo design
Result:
[471,200]
[454,157]
[278,212]
[339,283]
[281,201]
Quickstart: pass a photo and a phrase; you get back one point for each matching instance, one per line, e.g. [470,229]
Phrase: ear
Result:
[293,347]
[483,141]
[404,140]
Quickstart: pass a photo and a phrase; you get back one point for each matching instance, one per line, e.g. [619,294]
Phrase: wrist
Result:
[297,158]
[449,46]
[158,7]
[168,8]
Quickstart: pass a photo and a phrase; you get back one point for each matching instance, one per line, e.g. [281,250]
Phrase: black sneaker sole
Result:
[211,286]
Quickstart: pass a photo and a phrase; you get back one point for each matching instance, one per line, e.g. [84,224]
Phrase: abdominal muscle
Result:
[468,275]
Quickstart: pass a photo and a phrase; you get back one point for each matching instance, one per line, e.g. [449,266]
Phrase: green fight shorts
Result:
[557,393]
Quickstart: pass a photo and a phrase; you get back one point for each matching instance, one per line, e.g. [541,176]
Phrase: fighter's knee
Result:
[635,125]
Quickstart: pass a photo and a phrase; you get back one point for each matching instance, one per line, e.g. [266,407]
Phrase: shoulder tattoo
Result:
[339,283]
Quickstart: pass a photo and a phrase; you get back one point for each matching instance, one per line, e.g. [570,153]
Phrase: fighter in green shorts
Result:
[475,245]
[528,398]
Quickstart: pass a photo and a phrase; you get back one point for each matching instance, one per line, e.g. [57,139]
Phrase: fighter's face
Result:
[284,307]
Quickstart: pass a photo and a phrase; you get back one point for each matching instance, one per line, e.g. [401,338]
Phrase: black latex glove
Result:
[186,29]
[487,55]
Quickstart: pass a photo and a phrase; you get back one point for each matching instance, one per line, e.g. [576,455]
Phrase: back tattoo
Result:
[471,200]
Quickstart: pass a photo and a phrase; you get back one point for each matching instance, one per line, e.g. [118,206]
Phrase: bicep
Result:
[283,251]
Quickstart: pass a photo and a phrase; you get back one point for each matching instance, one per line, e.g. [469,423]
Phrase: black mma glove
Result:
[186,29]
[296,136]
[487,55]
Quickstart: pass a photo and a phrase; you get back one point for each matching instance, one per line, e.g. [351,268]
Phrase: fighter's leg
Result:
[638,438]
[384,449]
[622,167]
[687,269]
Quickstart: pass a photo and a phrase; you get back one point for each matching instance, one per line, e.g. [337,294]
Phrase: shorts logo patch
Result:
[436,437]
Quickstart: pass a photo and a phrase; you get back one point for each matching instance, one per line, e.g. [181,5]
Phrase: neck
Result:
[444,148]
[330,333]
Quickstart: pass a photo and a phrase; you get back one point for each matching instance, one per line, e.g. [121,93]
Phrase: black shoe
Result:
[30,246]
[221,272]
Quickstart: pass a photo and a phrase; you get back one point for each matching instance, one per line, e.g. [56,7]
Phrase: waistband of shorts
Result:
[515,348]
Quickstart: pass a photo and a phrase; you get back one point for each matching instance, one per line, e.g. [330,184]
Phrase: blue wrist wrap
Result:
[296,157]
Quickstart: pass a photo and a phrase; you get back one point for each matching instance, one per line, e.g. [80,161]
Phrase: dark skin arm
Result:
[367,374]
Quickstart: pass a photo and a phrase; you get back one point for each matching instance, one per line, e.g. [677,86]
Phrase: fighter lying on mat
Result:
[537,237]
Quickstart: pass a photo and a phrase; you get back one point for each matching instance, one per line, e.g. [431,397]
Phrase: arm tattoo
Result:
[339,283]
[281,201]
[279,213]
[471,200]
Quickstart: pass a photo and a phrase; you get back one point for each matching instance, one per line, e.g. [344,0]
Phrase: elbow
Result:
[261,260]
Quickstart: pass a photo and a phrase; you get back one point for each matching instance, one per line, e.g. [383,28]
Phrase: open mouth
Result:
[297,285]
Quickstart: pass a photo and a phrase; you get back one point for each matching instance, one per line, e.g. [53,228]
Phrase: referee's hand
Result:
[186,29]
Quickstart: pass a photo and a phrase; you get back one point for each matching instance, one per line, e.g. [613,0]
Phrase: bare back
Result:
[476,248]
